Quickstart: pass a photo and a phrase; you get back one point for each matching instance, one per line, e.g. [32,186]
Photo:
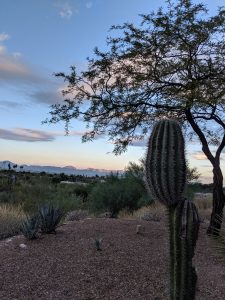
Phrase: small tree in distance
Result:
[136,170]
[171,66]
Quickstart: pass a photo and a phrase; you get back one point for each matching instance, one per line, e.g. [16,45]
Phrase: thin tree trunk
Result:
[218,201]
[218,195]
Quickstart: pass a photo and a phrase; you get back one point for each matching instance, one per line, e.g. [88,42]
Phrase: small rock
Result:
[23,246]
[140,229]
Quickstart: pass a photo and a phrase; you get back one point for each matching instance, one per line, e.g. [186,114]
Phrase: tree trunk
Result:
[218,195]
[218,201]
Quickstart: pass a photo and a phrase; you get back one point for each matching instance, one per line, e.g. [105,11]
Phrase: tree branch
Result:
[197,130]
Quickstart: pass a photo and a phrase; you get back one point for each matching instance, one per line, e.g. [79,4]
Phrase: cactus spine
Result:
[166,178]
[165,163]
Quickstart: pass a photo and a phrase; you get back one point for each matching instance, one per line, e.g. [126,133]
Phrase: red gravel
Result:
[130,266]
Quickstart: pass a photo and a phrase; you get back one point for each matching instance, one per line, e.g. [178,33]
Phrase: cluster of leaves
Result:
[47,219]
[30,227]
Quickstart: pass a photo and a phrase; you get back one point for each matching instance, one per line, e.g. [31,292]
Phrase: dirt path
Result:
[130,266]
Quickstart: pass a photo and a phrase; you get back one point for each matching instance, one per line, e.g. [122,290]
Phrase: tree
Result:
[171,66]
[135,170]
[192,174]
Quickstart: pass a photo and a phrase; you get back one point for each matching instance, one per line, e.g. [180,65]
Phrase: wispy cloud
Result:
[13,69]
[9,104]
[47,96]
[65,10]
[198,155]
[89,4]
[4,36]
[17,54]
[141,143]
[25,135]
[32,135]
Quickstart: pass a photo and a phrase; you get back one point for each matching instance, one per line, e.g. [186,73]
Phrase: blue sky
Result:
[38,38]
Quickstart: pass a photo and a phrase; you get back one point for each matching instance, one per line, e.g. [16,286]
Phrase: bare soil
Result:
[130,266]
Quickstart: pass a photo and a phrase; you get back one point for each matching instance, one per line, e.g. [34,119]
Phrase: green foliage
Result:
[115,195]
[30,227]
[33,192]
[171,66]
[167,66]
[82,191]
[165,163]
[192,174]
[50,218]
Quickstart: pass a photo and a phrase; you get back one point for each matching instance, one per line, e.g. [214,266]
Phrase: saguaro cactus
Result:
[184,226]
[165,163]
[166,178]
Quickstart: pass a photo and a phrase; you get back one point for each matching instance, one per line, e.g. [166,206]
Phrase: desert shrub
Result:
[50,218]
[115,195]
[81,191]
[38,191]
[11,218]
[30,227]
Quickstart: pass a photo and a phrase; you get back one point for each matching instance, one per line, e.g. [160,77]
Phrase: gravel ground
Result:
[130,266]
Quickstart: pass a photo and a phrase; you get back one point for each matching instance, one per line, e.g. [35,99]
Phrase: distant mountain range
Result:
[68,170]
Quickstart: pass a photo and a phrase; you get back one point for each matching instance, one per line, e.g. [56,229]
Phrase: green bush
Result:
[82,191]
[32,194]
[117,194]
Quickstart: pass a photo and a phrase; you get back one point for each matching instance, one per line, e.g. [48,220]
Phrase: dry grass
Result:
[156,210]
[147,213]
[203,202]
[11,218]
[204,205]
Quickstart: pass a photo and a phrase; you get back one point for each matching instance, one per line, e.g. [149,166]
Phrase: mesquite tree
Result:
[172,65]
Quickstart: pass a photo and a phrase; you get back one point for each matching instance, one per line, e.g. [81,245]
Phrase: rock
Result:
[140,229]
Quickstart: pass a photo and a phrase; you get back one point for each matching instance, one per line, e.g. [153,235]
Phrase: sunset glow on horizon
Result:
[40,38]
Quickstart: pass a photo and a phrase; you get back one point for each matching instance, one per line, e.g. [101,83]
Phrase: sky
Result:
[40,38]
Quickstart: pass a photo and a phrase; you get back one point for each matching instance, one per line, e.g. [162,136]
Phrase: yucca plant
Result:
[50,218]
[165,173]
[30,227]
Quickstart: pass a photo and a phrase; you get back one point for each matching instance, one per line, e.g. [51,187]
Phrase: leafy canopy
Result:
[172,65]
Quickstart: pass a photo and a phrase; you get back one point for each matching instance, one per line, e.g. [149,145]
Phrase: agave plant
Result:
[97,242]
[30,227]
[50,218]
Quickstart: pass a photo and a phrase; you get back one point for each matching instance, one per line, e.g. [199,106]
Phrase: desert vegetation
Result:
[152,232]
[113,195]
[126,198]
